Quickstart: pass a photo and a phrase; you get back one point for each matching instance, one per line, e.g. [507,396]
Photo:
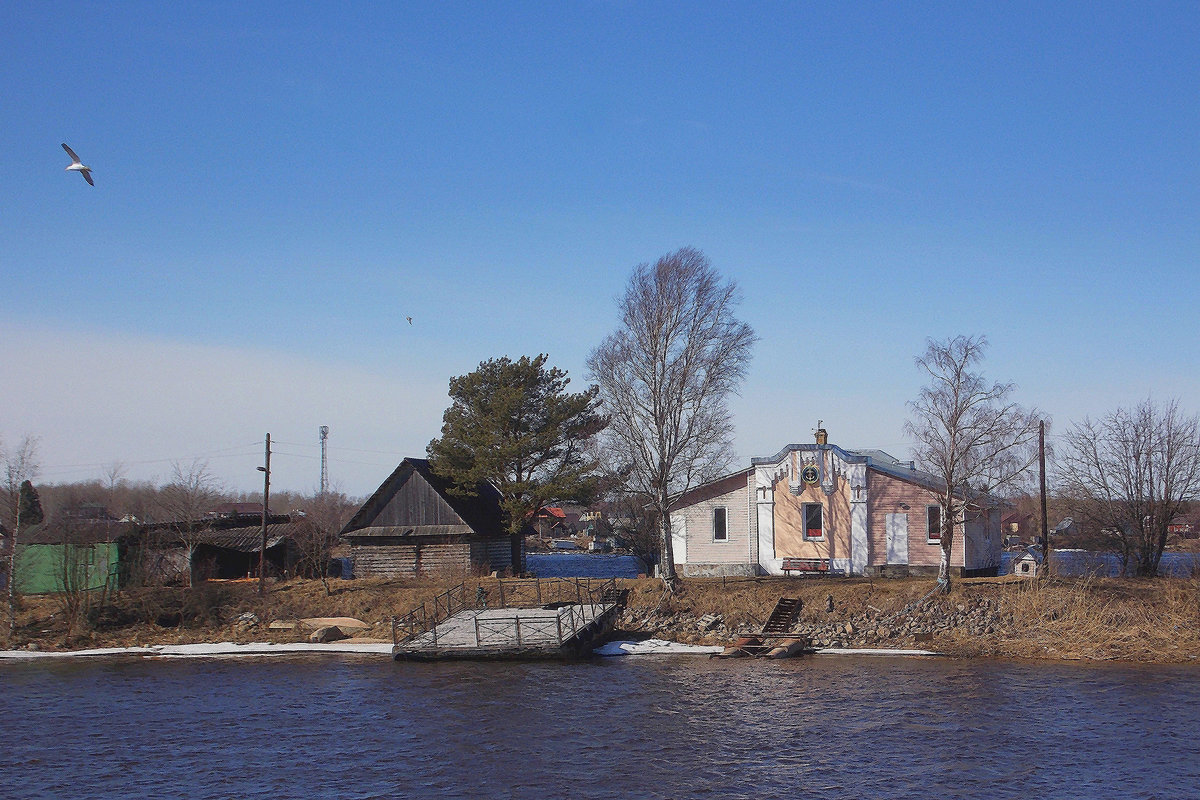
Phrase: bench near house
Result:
[818,508]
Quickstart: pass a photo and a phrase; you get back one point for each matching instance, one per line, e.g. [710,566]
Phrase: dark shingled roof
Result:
[78,532]
[380,517]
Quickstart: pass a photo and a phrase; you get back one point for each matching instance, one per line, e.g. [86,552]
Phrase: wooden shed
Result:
[72,556]
[414,525]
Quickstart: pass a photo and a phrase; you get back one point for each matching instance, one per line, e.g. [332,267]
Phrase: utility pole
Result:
[262,552]
[1045,521]
[324,432]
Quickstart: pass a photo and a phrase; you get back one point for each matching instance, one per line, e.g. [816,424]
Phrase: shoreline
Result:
[1057,620]
[613,649]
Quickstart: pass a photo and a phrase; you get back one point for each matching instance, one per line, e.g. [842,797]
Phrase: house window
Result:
[933,524]
[720,529]
[814,527]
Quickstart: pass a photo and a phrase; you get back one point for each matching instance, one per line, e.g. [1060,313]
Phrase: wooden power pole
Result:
[1045,521]
[262,551]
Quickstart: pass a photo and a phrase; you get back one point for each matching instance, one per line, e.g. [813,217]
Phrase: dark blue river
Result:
[653,727]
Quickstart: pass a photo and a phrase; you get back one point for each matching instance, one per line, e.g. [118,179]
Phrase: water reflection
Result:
[677,727]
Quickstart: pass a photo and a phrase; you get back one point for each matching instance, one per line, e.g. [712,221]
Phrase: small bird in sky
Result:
[409,320]
[78,166]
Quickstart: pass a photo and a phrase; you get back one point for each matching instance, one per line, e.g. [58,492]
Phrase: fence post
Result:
[477,642]
[518,621]
[559,619]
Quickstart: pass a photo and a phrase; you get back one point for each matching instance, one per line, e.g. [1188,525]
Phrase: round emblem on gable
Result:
[810,474]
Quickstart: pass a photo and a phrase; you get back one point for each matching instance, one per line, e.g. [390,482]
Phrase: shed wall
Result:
[43,568]
[395,557]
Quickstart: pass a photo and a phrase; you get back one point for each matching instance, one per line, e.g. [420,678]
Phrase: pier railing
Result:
[557,628]
[534,592]
[573,595]
[425,617]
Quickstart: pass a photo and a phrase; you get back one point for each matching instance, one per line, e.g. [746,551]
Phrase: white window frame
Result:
[929,539]
[804,521]
[725,520]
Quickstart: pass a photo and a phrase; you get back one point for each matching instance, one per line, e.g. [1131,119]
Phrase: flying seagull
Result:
[409,320]
[78,166]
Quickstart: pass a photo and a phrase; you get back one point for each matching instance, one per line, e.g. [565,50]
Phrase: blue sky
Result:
[279,185]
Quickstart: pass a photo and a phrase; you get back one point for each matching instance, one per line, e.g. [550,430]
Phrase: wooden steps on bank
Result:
[776,639]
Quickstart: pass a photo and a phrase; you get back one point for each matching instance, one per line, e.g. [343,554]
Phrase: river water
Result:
[1066,563]
[632,727]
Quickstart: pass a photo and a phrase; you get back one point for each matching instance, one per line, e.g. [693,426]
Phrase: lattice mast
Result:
[324,430]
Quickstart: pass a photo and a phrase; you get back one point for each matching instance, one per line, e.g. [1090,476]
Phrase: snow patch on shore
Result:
[870,651]
[655,647]
[209,650]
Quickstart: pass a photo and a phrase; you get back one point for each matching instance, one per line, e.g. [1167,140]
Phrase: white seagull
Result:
[78,166]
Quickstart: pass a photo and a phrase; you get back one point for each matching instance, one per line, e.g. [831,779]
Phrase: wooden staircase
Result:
[783,618]
[776,639]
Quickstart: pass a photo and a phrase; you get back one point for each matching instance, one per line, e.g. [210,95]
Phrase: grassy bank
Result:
[1098,619]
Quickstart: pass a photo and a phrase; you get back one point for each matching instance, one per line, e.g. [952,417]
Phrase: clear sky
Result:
[279,185]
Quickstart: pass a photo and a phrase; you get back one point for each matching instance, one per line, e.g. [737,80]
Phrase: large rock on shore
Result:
[329,633]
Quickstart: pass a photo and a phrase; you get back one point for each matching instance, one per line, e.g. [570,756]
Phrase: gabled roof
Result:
[879,461]
[415,501]
[710,489]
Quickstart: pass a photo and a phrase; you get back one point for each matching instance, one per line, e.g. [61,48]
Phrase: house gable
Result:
[414,501]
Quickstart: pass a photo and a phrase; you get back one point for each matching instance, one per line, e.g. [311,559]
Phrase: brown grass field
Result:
[1093,619]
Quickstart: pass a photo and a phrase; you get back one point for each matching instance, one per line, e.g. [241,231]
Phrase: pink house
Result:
[818,507]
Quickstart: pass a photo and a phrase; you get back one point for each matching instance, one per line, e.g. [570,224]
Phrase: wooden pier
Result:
[522,619]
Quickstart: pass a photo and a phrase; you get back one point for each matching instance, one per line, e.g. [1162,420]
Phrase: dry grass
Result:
[1096,619]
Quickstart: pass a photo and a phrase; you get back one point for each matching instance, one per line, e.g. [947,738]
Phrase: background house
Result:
[414,524]
[858,512]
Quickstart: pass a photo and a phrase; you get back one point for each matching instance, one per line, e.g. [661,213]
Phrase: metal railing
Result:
[425,617]
[557,628]
[576,595]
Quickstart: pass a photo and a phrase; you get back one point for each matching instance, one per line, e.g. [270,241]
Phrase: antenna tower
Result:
[324,430]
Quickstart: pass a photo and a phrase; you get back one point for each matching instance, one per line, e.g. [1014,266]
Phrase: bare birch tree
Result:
[664,377]
[324,517]
[969,434]
[20,466]
[190,494]
[1129,474]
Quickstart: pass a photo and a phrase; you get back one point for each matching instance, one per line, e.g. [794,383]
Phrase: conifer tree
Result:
[513,424]
[30,504]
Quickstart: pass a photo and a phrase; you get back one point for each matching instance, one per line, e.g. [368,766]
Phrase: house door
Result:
[897,538]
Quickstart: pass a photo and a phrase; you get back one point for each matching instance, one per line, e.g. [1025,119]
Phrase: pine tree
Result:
[30,506]
[512,424]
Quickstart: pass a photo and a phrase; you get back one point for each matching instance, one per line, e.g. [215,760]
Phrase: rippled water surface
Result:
[658,727]
[583,565]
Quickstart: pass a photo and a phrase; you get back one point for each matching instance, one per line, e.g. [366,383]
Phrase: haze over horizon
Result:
[277,188]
